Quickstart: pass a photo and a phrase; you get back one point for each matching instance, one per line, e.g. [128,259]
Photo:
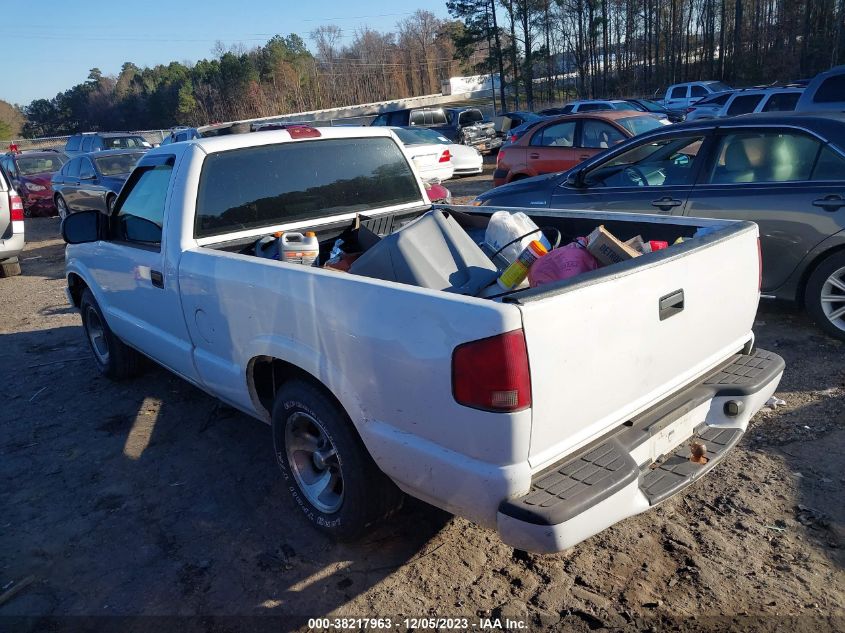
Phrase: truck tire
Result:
[114,359]
[824,296]
[10,267]
[325,466]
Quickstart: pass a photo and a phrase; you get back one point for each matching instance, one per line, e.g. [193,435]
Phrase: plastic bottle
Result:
[296,248]
[516,273]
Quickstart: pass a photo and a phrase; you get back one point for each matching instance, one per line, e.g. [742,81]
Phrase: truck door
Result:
[140,286]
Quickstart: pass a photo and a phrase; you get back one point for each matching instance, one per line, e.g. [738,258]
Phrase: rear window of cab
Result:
[269,185]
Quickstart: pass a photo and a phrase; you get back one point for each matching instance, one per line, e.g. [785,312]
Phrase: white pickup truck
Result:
[546,414]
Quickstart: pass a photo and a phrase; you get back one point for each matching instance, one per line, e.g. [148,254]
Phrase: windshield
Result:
[468,117]
[639,124]
[124,142]
[117,163]
[651,106]
[421,136]
[39,164]
[623,105]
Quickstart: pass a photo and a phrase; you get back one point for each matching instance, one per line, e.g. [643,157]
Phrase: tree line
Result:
[612,48]
[544,51]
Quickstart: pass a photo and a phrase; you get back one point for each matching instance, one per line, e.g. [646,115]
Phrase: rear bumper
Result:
[642,463]
[12,246]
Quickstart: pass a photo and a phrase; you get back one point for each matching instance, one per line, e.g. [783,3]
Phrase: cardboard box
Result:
[606,248]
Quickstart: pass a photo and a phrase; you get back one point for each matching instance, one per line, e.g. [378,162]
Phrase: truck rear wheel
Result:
[114,359]
[825,295]
[325,466]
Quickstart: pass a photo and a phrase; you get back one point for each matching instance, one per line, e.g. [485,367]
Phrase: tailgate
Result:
[609,344]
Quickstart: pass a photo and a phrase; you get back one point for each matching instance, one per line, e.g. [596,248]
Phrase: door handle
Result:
[666,203]
[157,279]
[671,304]
[830,203]
[535,155]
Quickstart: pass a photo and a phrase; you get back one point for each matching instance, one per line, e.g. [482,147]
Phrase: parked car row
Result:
[784,171]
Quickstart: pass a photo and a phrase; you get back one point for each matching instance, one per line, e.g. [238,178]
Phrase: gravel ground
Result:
[147,498]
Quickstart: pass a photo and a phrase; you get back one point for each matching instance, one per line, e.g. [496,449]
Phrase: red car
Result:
[564,141]
[30,173]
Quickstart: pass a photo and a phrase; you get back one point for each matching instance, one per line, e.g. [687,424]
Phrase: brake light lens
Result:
[15,207]
[759,266]
[492,374]
[445,157]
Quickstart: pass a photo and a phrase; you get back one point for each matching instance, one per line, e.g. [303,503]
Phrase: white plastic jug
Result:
[296,248]
[505,227]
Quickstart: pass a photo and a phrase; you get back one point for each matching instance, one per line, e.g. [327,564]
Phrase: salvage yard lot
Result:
[146,497]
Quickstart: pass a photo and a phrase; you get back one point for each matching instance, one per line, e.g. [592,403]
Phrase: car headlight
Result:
[31,186]
[476,202]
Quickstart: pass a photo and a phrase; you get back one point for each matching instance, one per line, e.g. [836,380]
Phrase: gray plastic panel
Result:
[745,374]
[677,471]
[575,485]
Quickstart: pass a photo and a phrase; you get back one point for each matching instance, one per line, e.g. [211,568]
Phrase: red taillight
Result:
[760,265]
[492,373]
[446,157]
[499,157]
[15,207]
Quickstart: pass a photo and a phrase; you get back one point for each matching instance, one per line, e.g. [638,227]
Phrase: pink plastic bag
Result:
[562,263]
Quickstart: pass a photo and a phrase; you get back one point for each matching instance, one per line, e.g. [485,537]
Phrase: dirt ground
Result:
[146,498]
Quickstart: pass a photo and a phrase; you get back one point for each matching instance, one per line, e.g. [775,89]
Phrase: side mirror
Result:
[82,227]
[575,179]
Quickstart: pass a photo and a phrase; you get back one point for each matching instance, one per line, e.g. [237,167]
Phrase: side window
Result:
[782,102]
[73,168]
[97,144]
[662,163]
[832,90]
[592,107]
[418,117]
[678,92]
[86,169]
[557,135]
[381,119]
[743,104]
[698,91]
[438,117]
[829,166]
[750,157]
[567,109]
[140,214]
[73,143]
[11,170]
[87,142]
[597,134]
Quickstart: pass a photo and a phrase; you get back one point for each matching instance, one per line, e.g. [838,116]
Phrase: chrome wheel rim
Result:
[61,207]
[833,298]
[96,335]
[313,460]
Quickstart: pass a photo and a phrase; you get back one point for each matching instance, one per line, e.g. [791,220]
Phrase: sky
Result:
[46,56]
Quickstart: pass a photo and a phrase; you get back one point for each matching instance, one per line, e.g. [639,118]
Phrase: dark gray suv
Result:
[785,171]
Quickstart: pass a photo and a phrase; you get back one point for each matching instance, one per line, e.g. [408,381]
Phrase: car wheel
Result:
[325,466]
[61,207]
[110,202]
[825,295]
[10,267]
[114,359]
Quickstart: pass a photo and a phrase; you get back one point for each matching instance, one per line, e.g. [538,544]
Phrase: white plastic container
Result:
[296,248]
[505,227]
